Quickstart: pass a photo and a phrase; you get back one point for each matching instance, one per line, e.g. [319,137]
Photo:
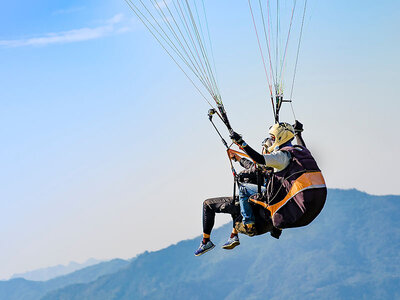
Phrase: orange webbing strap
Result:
[311,180]
[238,153]
[263,204]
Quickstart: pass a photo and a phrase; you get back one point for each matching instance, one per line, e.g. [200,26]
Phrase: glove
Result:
[236,138]
[298,127]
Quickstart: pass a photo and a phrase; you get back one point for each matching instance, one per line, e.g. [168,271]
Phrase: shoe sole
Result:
[205,251]
[231,246]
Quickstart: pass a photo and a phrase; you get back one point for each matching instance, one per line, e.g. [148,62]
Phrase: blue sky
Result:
[102,135]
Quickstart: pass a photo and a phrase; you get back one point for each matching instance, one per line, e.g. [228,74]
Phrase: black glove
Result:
[298,127]
[236,138]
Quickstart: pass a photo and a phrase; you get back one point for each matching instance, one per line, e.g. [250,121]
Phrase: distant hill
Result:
[22,289]
[351,251]
[44,274]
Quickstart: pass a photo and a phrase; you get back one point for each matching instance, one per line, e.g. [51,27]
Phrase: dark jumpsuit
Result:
[226,205]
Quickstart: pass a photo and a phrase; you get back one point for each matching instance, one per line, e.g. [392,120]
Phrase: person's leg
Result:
[234,232]
[233,240]
[217,205]
[245,191]
[210,208]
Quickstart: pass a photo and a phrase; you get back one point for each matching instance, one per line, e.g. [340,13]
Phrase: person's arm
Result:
[298,129]
[299,140]
[245,163]
[278,160]
[254,155]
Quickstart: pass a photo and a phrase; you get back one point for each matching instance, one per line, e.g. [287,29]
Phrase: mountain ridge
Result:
[349,252]
[22,289]
[47,273]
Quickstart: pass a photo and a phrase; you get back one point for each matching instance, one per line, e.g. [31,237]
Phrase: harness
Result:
[307,179]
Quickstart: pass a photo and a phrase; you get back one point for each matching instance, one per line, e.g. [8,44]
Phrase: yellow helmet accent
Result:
[282,132]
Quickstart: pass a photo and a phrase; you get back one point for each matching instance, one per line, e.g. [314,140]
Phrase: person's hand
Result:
[236,138]
[234,156]
[298,127]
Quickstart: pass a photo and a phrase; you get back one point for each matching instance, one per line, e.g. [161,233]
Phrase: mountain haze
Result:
[44,274]
[351,251]
[22,289]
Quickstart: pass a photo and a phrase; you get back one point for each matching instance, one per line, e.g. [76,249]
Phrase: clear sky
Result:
[106,147]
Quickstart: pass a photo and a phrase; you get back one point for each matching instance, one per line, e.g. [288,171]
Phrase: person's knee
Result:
[207,202]
[242,191]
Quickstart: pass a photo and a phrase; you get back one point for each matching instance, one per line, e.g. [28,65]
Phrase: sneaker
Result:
[248,229]
[231,243]
[204,248]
